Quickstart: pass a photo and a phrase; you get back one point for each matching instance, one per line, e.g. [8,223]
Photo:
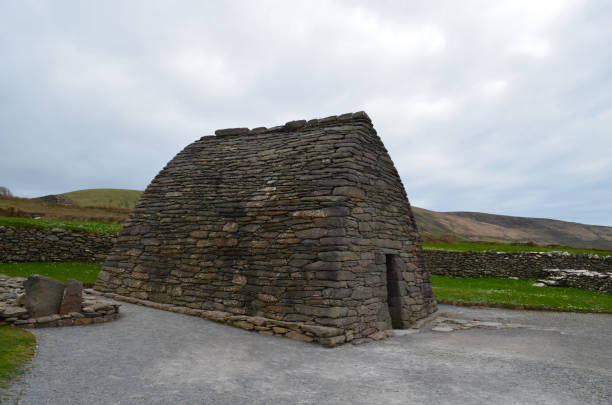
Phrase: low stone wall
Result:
[583,279]
[511,264]
[19,244]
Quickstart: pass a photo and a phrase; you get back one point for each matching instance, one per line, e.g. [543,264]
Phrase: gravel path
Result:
[150,356]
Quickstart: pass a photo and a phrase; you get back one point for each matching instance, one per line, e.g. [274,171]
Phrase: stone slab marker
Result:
[72,299]
[43,295]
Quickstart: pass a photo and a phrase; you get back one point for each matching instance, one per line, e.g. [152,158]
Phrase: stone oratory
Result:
[302,230]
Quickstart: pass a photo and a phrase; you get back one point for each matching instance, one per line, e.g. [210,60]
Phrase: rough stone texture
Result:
[324,335]
[511,264]
[19,244]
[292,223]
[73,297]
[93,307]
[584,279]
[43,295]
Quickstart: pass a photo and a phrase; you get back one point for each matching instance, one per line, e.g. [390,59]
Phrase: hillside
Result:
[480,226]
[35,208]
[104,197]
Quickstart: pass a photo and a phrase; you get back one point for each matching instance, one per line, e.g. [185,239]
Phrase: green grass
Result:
[104,197]
[87,273]
[17,347]
[42,223]
[500,291]
[505,247]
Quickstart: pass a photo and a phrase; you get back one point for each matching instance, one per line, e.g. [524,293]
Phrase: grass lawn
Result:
[501,291]
[85,272]
[505,247]
[17,347]
[42,223]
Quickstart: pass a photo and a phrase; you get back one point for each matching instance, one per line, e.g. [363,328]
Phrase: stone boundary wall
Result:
[583,279]
[20,244]
[511,264]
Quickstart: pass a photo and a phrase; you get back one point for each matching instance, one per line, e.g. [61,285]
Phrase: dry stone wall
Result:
[511,264]
[20,244]
[296,223]
[594,270]
[583,279]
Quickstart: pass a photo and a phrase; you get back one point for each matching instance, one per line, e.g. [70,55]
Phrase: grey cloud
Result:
[495,107]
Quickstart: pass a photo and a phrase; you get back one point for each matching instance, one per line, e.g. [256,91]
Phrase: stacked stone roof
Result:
[298,223]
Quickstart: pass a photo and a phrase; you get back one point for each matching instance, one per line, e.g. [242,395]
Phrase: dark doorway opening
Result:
[393,292]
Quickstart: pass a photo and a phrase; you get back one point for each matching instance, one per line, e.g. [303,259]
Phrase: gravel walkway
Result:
[150,356]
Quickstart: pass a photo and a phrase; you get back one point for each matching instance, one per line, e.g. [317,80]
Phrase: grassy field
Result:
[17,347]
[29,208]
[43,223]
[104,197]
[506,247]
[62,271]
[520,293]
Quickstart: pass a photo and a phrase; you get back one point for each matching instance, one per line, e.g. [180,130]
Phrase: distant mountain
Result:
[103,197]
[490,227]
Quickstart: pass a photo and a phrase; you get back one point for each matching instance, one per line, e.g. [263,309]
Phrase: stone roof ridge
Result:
[291,126]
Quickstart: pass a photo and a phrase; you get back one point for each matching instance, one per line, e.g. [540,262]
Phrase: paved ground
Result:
[157,357]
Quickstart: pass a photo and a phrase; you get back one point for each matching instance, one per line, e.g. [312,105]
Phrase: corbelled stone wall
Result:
[19,244]
[511,264]
[297,223]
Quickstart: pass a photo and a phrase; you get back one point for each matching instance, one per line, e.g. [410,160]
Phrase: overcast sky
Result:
[492,106]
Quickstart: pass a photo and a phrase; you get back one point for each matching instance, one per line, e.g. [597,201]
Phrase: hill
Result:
[35,208]
[490,227]
[107,205]
[104,197]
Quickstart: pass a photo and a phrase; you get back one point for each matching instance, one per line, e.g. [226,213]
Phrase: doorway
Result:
[393,291]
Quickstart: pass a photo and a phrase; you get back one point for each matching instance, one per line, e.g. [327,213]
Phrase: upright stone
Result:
[43,295]
[73,297]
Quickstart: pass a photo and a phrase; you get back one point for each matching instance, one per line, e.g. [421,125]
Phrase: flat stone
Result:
[340,256]
[231,131]
[9,312]
[489,324]
[48,318]
[293,125]
[244,325]
[381,334]
[298,336]
[349,191]
[43,295]
[322,331]
[442,329]
[332,341]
